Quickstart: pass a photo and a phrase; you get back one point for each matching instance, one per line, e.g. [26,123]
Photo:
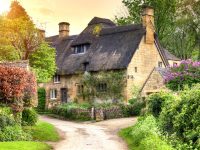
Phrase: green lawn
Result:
[43,131]
[24,146]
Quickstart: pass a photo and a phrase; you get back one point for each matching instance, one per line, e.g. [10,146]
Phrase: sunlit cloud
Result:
[46,14]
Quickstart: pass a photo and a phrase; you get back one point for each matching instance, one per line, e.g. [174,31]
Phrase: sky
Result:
[46,14]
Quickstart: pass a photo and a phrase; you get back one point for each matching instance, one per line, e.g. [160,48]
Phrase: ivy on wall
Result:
[103,85]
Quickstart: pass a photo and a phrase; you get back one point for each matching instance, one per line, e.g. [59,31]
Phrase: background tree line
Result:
[177,23]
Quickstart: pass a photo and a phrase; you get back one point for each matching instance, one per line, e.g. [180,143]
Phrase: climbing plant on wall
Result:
[103,85]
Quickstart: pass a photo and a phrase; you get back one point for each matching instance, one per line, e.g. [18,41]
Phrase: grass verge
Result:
[126,135]
[43,131]
[24,145]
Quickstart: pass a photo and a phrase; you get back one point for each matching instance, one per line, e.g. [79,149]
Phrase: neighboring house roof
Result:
[161,71]
[170,56]
[110,49]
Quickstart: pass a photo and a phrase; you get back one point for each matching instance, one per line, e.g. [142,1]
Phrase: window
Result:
[79,88]
[80,49]
[56,79]
[159,64]
[53,94]
[102,87]
[136,69]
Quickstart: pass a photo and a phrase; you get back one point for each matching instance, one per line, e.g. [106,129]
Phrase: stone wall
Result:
[155,83]
[145,59]
[69,82]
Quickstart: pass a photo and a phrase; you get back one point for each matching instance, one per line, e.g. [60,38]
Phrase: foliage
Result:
[144,135]
[21,35]
[29,117]
[24,145]
[41,99]
[73,111]
[113,81]
[6,120]
[7,52]
[43,62]
[14,133]
[16,84]
[181,117]
[43,131]
[163,21]
[178,29]
[133,109]
[155,102]
[187,73]
[17,11]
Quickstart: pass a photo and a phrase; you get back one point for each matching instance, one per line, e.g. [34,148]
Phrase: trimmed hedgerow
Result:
[41,100]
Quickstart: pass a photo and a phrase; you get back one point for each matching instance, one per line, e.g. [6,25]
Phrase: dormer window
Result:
[81,49]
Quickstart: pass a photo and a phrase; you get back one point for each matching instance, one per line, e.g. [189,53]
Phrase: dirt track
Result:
[90,136]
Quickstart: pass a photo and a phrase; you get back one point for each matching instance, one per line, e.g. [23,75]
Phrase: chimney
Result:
[148,23]
[42,33]
[63,29]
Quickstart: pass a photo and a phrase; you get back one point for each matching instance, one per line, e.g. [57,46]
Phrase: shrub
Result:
[132,101]
[73,111]
[133,109]
[14,133]
[156,101]
[29,117]
[187,73]
[182,117]
[145,135]
[41,99]
[6,120]
[17,88]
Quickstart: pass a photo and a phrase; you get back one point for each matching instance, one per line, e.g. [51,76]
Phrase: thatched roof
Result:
[110,49]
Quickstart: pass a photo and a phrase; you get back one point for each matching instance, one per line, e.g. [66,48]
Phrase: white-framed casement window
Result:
[56,79]
[53,94]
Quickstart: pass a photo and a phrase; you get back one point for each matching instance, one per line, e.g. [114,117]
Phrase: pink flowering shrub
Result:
[187,73]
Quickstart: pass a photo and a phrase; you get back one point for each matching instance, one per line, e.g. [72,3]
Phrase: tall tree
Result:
[176,22]
[164,14]
[43,62]
[20,39]
[17,11]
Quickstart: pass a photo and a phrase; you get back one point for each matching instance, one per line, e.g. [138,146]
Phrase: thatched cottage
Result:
[104,46]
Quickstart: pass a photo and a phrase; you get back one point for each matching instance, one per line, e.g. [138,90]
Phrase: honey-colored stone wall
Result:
[145,59]
[154,84]
[69,82]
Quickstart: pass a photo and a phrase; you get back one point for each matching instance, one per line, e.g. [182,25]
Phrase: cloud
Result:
[45,11]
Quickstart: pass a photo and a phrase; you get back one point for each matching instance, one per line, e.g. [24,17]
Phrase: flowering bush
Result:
[187,73]
[17,87]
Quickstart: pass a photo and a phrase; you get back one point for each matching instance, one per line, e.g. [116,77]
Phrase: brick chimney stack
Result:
[148,23]
[63,29]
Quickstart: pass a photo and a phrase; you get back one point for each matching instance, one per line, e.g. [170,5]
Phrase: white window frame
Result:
[53,94]
[56,79]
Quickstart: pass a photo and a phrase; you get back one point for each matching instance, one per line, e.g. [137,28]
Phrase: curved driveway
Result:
[90,136]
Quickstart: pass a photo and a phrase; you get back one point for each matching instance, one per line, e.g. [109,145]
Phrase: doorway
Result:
[64,95]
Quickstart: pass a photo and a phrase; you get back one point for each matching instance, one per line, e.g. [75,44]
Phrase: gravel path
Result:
[90,136]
